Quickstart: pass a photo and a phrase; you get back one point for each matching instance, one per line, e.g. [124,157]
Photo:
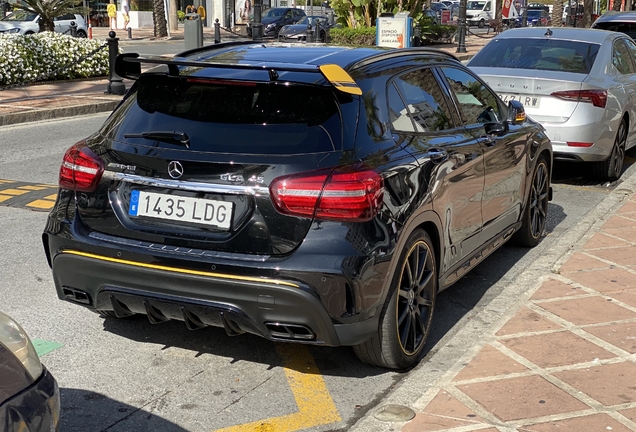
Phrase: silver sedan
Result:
[580,84]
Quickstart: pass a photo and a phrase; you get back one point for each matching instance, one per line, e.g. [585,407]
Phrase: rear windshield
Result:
[221,116]
[540,54]
[628,28]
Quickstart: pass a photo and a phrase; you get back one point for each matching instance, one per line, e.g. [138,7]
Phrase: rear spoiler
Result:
[129,66]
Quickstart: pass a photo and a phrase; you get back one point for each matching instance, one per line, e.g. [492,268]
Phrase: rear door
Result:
[450,156]
[624,60]
[189,161]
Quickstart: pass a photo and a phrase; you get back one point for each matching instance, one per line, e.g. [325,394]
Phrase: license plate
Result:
[527,101]
[179,208]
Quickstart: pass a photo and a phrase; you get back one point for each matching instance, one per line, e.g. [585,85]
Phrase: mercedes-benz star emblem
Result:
[175,169]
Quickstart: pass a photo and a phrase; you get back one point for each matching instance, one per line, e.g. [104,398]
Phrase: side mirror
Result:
[516,112]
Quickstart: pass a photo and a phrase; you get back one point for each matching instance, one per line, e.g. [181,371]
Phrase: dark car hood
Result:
[294,28]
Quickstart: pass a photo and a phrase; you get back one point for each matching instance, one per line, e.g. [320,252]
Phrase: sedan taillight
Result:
[81,169]
[597,97]
[342,195]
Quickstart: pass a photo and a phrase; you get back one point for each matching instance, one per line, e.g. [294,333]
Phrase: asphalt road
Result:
[123,375]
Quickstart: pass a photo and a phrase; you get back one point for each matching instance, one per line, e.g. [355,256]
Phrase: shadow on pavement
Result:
[84,410]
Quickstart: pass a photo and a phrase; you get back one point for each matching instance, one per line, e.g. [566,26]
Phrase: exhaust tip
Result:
[290,331]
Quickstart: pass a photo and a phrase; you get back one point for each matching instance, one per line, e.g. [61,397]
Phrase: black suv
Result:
[316,194]
[623,22]
[276,18]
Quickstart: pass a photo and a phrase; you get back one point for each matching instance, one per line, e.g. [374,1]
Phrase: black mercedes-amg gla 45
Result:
[312,194]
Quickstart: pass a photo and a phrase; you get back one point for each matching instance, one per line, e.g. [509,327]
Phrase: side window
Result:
[424,100]
[621,58]
[398,114]
[64,17]
[487,7]
[477,103]
[631,47]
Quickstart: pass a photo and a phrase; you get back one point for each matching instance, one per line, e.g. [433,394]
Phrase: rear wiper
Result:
[169,137]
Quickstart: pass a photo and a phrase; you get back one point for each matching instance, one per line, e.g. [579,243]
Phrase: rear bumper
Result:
[283,307]
[37,408]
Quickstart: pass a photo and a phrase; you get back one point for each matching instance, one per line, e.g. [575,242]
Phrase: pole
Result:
[115,83]
[461,45]
[257,27]
[217,31]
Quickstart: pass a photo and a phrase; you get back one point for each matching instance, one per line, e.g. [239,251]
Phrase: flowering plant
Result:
[39,57]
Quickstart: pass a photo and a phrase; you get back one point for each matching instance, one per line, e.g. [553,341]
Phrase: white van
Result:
[480,12]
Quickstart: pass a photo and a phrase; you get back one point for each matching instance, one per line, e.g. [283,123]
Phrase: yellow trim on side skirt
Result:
[179,270]
[340,79]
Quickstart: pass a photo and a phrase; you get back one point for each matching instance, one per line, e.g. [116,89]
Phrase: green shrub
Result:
[352,36]
[24,59]
[438,34]
[180,16]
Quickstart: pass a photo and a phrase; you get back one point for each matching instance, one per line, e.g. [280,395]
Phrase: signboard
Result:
[505,10]
[393,32]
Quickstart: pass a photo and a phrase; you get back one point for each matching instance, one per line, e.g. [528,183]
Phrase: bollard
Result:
[73,27]
[115,83]
[90,30]
[257,26]
[310,34]
[417,36]
[318,38]
[217,31]
[129,33]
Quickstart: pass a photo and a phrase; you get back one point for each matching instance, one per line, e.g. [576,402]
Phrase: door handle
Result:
[437,155]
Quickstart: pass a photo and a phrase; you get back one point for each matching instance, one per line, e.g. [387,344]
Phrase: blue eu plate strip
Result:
[134,203]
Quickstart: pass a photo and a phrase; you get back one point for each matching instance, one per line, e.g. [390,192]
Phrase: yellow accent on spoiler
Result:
[180,270]
[340,79]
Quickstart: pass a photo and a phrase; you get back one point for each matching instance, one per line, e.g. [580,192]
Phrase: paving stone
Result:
[627,297]
[579,261]
[447,405]
[605,280]
[629,413]
[624,233]
[621,335]
[600,240]
[428,423]
[591,423]
[610,384]
[625,256]
[618,221]
[525,321]
[557,349]
[588,310]
[628,207]
[489,362]
[520,398]
[554,288]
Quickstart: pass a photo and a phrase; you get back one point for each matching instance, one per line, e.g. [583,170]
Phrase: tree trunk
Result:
[617,5]
[588,9]
[174,23]
[159,19]
[557,13]
[499,14]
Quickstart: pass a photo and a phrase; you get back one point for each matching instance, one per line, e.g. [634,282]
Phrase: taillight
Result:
[579,144]
[81,169]
[354,196]
[597,97]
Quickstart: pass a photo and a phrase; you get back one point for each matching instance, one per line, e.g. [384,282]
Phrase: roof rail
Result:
[217,46]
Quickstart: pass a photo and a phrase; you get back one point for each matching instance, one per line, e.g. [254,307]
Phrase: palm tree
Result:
[159,19]
[617,5]
[50,9]
[588,9]
[557,13]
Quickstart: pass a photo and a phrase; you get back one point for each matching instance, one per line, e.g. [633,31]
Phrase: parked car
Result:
[432,15]
[624,22]
[276,18]
[438,6]
[538,18]
[298,32]
[29,395]
[285,204]
[578,83]
[22,22]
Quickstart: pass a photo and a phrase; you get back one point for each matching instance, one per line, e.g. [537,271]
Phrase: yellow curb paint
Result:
[5,197]
[14,192]
[7,181]
[41,204]
[32,188]
[51,197]
[315,405]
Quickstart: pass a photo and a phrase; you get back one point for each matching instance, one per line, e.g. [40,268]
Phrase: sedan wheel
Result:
[610,169]
[407,315]
[536,212]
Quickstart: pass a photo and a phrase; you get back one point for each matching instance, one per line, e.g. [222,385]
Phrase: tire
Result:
[28,33]
[481,24]
[536,213]
[81,34]
[610,169]
[406,317]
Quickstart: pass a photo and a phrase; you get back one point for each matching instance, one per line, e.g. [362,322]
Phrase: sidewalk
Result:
[63,99]
[560,358]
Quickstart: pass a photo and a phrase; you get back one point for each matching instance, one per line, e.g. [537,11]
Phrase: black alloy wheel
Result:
[408,312]
[610,169]
[536,212]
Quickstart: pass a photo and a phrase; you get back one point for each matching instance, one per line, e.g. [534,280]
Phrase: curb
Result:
[54,113]
[458,347]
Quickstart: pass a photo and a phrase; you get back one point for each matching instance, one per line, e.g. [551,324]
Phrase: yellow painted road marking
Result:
[41,204]
[5,197]
[14,192]
[34,188]
[7,181]
[51,197]
[315,406]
